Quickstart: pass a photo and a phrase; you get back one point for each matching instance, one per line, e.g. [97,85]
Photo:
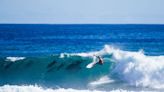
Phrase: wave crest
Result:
[13,59]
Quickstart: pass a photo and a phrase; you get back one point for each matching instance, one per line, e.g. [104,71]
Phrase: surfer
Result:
[95,61]
[100,60]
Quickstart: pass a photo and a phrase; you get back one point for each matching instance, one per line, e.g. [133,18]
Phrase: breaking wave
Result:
[69,70]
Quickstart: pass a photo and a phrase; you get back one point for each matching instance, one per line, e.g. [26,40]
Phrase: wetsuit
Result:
[100,60]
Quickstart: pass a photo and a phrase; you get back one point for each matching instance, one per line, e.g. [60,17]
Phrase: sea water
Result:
[53,58]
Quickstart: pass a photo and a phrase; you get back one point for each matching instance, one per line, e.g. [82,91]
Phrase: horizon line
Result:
[81,23]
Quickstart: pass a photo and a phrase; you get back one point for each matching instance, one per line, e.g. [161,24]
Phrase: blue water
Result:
[51,55]
[50,39]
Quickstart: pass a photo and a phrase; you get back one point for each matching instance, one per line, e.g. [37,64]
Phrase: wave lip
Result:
[13,59]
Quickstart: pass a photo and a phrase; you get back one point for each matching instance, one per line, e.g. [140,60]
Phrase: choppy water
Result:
[54,58]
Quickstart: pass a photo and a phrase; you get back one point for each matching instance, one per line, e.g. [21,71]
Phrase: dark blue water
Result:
[32,40]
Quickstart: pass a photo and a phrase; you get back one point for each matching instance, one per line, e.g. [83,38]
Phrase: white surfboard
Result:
[90,65]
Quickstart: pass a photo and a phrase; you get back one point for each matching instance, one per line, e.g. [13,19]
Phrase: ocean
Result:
[53,57]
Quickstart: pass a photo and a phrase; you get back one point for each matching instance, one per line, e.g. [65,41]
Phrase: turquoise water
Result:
[56,56]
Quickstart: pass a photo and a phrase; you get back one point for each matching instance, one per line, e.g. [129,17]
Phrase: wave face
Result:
[56,70]
[121,69]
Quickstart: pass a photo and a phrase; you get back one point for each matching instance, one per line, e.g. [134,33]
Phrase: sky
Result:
[82,11]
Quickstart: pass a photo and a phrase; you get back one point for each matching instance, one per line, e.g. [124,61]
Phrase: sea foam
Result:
[13,59]
[134,68]
[35,88]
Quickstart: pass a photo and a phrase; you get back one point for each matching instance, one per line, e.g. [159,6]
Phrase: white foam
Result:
[31,88]
[35,88]
[137,69]
[106,50]
[61,55]
[134,68]
[13,59]
[101,81]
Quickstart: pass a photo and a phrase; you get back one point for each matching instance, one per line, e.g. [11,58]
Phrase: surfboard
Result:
[90,65]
